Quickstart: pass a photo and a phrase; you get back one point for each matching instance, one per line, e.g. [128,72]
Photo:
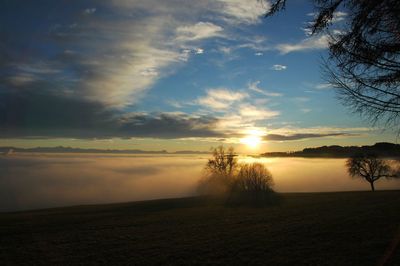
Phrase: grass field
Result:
[350,228]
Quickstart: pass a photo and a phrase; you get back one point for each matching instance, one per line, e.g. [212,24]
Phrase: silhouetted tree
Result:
[364,58]
[254,178]
[370,168]
[223,163]
[219,171]
[253,184]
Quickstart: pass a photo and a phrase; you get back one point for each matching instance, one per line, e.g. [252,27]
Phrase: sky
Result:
[169,75]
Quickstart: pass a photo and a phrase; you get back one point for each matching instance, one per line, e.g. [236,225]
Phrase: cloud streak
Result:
[253,86]
[301,136]
[308,44]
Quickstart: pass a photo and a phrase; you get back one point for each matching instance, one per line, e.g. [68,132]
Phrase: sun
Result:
[251,141]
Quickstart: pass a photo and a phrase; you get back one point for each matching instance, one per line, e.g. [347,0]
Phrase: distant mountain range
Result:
[61,149]
[383,149]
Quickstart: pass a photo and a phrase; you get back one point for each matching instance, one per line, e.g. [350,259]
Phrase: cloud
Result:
[298,133]
[312,43]
[246,110]
[89,11]
[198,31]
[300,99]
[247,12]
[174,103]
[21,79]
[236,111]
[323,86]
[26,114]
[300,136]
[225,50]
[305,110]
[256,43]
[254,87]
[337,16]
[169,126]
[116,56]
[199,51]
[278,67]
[37,68]
[220,98]
[90,67]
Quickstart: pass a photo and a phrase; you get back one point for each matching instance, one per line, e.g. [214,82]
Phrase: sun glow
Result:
[251,141]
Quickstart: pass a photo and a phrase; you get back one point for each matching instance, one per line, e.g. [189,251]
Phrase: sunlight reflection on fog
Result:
[46,180]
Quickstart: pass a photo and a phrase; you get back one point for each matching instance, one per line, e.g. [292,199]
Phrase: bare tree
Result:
[223,163]
[219,172]
[364,59]
[253,184]
[369,167]
[254,178]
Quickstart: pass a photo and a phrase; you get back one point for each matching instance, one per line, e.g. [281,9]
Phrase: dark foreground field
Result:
[353,228]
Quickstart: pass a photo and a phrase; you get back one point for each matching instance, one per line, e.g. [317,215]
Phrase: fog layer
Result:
[29,181]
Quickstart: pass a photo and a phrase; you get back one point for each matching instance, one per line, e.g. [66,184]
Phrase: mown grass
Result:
[349,228]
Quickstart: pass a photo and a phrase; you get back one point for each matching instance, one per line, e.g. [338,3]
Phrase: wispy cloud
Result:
[220,98]
[323,86]
[256,113]
[337,16]
[199,51]
[174,103]
[198,31]
[90,11]
[311,43]
[300,99]
[248,12]
[253,86]
[278,67]
[225,50]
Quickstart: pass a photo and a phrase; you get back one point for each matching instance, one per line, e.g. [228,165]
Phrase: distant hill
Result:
[61,149]
[383,149]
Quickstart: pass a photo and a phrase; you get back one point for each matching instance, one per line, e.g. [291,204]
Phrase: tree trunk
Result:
[372,186]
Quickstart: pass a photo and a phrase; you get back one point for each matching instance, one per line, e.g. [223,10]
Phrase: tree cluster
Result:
[238,183]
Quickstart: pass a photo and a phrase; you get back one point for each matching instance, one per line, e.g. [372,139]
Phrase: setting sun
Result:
[252,141]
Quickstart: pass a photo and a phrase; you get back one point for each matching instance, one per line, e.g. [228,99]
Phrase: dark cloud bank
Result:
[31,113]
